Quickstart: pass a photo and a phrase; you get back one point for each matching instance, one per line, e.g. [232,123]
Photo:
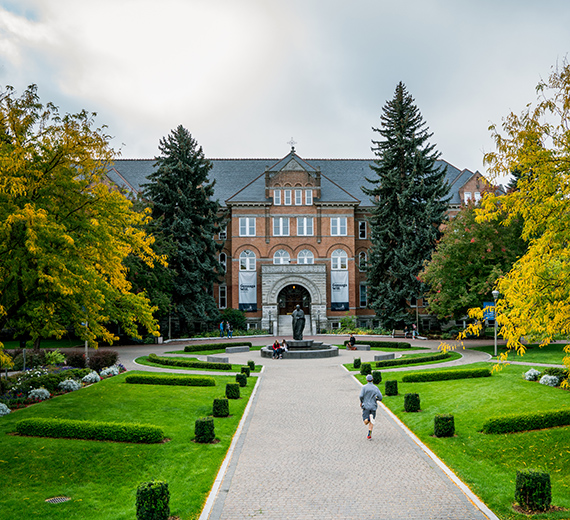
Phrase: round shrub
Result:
[153,501]
[246,371]
[103,358]
[549,380]
[204,430]
[532,375]
[4,410]
[110,371]
[391,388]
[39,394]
[232,390]
[412,402]
[365,369]
[241,379]
[75,358]
[533,491]
[69,385]
[221,408]
[92,377]
[251,365]
[444,425]
[376,377]
[357,362]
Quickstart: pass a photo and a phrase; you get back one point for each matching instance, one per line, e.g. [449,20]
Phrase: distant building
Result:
[297,235]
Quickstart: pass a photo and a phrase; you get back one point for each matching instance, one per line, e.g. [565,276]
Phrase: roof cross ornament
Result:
[292,144]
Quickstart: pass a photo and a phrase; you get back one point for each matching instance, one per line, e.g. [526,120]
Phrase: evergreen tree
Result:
[181,198]
[409,193]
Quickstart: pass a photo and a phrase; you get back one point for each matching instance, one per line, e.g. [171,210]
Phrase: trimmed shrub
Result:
[251,365]
[445,375]
[376,377]
[216,346]
[530,421]
[533,491]
[204,430]
[4,410]
[103,358]
[39,394]
[92,377]
[75,358]
[549,380]
[381,344]
[246,371]
[560,373]
[221,408]
[241,379]
[391,387]
[232,391]
[153,358]
[412,402]
[174,380]
[357,362]
[532,375]
[153,500]
[420,359]
[69,385]
[444,425]
[90,430]
[365,369]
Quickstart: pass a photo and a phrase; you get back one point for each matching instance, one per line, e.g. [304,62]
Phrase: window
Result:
[281,257]
[223,258]
[287,197]
[467,196]
[362,229]
[223,296]
[362,261]
[309,197]
[305,257]
[413,301]
[247,226]
[339,260]
[363,297]
[338,226]
[247,261]
[223,234]
[477,196]
[305,226]
[281,227]
[277,197]
[298,197]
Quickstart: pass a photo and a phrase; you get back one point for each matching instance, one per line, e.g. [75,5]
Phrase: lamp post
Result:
[495,294]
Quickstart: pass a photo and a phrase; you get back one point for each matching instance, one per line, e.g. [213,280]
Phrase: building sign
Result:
[248,291]
[339,290]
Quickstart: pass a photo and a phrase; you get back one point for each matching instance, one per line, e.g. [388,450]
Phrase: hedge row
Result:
[174,380]
[382,344]
[153,358]
[90,430]
[444,375]
[529,421]
[216,346]
[411,361]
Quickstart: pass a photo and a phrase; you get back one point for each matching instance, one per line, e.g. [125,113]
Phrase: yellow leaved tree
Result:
[64,231]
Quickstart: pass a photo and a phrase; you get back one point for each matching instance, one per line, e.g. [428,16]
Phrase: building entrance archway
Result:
[291,296]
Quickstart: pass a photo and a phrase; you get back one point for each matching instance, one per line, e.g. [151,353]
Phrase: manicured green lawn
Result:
[550,354]
[488,463]
[101,477]
[452,357]
[143,360]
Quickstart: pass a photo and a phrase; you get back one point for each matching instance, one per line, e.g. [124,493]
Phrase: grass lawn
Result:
[452,356]
[101,477]
[549,354]
[488,463]
[143,360]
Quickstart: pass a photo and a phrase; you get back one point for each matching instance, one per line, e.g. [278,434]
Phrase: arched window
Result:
[224,261]
[362,261]
[281,257]
[305,257]
[339,260]
[247,260]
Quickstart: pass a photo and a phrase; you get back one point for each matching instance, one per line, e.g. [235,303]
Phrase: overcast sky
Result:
[244,76]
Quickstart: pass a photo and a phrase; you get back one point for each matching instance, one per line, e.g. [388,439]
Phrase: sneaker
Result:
[369,436]
[372,420]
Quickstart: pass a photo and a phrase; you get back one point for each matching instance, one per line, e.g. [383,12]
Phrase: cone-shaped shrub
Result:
[246,371]
[153,500]
[412,402]
[365,369]
[444,425]
[232,391]
[356,363]
[204,430]
[251,365]
[221,408]
[391,388]
[376,377]
[241,379]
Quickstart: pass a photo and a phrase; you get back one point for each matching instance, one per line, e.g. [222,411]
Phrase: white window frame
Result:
[222,296]
[339,260]
[304,255]
[280,226]
[277,197]
[287,197]
[247,260]
[224,261]
[338,227]
[362,264]
[477,196]
[363,290]
[466,196]
[362,229]
[223,234]
[281,257]
[308,197]
[305,226]
[247,226]
[298,197]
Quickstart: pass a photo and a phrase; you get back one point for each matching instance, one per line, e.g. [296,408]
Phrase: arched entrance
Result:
[291,296]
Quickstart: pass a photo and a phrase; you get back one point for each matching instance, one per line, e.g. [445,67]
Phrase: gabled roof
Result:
[291,162]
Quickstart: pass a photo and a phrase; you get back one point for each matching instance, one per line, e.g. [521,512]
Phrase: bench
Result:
[384,356]
[217,359]
[400,334]
[234,350]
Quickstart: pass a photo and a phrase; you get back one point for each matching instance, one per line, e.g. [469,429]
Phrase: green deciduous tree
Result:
[409,192]
[64,232]
[468,261]
[188,218]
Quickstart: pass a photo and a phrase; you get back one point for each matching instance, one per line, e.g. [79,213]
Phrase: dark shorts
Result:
[367,413]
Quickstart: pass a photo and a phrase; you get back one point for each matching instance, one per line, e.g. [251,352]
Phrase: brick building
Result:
[297,235]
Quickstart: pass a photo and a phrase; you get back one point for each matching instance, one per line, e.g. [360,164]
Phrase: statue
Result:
[298,323]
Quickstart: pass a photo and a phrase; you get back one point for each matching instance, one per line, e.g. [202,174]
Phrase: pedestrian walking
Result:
[227,328]
[369,397]
[230,331]
[222,329]
[414,331]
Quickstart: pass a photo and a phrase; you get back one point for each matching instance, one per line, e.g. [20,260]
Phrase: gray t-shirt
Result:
[368,396]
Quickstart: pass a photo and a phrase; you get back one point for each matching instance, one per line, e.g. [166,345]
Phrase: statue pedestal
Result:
[303,344]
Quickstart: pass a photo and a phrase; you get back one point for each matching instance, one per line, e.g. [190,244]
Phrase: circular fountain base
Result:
[303,349]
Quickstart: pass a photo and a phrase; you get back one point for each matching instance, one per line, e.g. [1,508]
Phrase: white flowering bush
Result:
[39,394]
[69,385]
[549,380]
[110,371]
[532,375]
[4,410]
[92,377]
[23,381]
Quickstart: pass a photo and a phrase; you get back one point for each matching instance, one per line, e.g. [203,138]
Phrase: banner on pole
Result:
[248,291]
[339,290]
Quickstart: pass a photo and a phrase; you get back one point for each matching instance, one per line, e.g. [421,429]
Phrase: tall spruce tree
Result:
[181,198]
[409,193]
